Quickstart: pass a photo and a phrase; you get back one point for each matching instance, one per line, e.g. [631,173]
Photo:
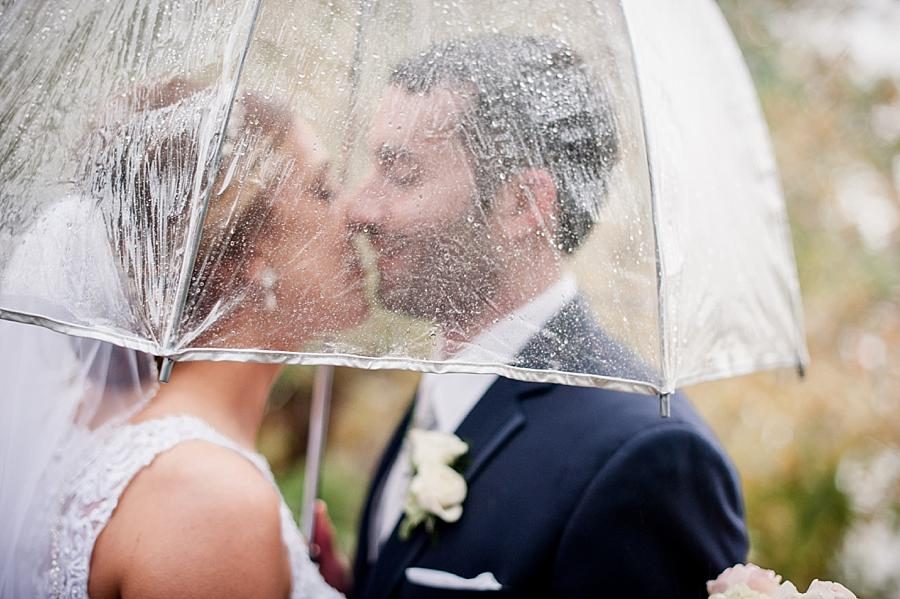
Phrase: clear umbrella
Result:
[388,181]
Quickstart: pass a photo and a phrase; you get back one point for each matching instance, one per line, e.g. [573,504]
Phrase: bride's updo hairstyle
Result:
[147,171]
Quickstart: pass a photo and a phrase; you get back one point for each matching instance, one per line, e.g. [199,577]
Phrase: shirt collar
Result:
[501,342]
[453,395]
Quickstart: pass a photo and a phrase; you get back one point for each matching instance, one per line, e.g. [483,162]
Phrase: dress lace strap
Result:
[97,483]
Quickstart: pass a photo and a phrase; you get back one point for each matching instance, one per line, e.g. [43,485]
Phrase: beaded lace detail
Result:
[94,488]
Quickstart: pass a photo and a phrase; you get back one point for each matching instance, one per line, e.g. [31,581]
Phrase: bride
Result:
[127,488]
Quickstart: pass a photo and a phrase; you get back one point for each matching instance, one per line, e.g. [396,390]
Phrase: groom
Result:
[488,154]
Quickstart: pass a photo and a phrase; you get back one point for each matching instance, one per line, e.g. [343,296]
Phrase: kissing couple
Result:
[487,162]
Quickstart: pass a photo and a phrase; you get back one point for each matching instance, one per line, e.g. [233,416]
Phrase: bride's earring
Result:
[267,279]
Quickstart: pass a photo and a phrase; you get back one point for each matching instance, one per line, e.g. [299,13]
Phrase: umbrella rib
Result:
[194,240]
[662,318]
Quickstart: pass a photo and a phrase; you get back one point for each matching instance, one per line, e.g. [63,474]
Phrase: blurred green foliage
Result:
[342,489]
[796,516]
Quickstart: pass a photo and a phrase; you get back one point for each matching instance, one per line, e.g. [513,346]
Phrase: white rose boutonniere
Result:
[436,490]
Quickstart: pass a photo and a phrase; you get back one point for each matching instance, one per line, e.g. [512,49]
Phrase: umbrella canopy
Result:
[569,191]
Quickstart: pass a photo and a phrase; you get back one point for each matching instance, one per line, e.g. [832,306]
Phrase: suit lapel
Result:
[494,420]
[361,563]
[593,351]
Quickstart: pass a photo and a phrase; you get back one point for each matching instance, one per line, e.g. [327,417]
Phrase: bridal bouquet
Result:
[748,581]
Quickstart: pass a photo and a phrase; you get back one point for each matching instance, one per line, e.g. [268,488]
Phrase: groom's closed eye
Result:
[399,166]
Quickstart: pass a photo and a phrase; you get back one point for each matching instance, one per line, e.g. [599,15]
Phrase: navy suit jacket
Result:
[574,492]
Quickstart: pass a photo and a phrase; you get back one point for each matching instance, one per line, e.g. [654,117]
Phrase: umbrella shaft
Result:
[318,428]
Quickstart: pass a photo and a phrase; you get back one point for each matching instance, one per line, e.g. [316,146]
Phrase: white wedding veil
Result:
[58,394]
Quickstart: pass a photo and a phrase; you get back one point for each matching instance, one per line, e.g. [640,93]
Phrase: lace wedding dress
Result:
[93,489]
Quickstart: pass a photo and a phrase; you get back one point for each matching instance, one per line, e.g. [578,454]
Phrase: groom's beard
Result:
[448,276]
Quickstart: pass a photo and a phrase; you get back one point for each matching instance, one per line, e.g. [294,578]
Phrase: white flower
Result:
[436,489]
[787,590]
[439,490]
[739,591]
[433,447]
[823,589]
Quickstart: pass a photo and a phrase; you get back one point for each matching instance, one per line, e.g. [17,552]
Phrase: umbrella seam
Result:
[662,319]
[194,244]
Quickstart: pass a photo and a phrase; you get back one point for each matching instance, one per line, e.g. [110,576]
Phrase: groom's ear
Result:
[525,206]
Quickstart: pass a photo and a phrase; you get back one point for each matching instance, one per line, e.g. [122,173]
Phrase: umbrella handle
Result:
[318,432]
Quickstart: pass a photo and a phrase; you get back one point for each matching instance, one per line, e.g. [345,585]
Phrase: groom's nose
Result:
[366,211]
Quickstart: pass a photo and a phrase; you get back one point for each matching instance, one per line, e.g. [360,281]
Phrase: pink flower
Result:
[751,575]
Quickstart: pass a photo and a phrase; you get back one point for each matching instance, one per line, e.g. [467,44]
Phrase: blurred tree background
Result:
[819,458]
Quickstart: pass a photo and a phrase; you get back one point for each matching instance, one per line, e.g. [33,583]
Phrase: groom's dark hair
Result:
[534,106]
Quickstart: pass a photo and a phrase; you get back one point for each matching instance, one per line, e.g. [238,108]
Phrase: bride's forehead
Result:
[308,146]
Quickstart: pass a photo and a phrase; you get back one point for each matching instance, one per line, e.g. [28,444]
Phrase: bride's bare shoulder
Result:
[200,517]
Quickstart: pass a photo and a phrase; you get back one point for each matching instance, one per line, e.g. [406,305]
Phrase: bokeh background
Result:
[819,457]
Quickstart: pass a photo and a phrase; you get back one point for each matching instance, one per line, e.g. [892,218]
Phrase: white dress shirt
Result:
[444,400]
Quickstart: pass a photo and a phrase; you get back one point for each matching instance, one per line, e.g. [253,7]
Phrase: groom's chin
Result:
[407,301]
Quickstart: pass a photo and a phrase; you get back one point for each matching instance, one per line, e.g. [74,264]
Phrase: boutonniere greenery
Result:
[437,489]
